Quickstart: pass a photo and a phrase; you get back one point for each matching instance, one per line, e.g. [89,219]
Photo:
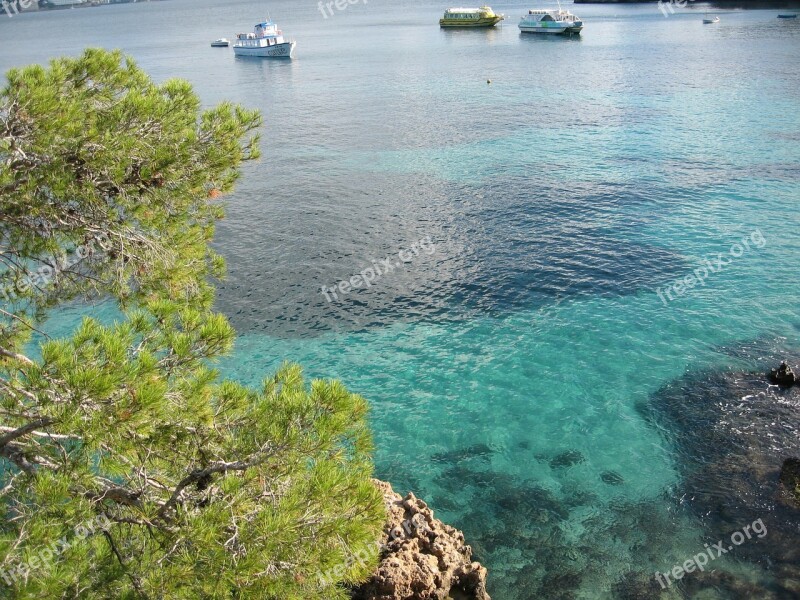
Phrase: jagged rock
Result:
[421,558]
[783,375]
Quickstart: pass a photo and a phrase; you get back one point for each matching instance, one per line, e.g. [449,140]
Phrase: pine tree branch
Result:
[25,430]
[213,469]
[137,585]
[12,389]
[14,356]
[15,454]
[47,434]
[116,494]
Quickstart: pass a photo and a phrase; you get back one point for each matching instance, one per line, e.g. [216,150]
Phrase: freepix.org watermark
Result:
[711,266]
[712,552]
[12,7]
[19,571]
[667,7]
[327,7]
[370,275]
[50,271]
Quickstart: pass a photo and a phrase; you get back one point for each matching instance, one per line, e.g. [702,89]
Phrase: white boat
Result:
[266,41]
[550,21]
[709,21]
[221,43]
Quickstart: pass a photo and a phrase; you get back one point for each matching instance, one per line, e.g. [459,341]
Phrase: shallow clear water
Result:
[507,360]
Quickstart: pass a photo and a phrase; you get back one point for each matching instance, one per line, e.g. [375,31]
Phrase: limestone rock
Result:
[421,558]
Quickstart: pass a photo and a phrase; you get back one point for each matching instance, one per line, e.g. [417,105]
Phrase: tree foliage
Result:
[122,452]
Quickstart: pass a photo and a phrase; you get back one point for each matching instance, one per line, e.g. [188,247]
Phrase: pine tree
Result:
[128,467]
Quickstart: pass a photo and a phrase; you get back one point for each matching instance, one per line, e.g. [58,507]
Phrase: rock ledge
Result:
[421,557]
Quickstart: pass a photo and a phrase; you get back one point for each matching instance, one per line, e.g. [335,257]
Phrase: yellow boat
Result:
[470,17]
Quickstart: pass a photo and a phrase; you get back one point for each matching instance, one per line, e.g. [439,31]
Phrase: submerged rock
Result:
[422,558]
[455,456]
[731,434]
[790,478]
[567,459]
[611,478]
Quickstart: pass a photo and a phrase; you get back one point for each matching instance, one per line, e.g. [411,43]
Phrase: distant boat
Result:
[787,16]
[708,20]
[550,21]
[221,43]
[266,41]
[470,17]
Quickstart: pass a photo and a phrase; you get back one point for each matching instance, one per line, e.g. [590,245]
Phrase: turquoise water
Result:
[507,368]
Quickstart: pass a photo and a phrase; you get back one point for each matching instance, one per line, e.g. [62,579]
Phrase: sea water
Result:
[570,191]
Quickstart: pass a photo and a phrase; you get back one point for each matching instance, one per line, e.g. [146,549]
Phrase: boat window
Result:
[547,18]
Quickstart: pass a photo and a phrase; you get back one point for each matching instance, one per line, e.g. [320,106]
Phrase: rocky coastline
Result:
[421,557]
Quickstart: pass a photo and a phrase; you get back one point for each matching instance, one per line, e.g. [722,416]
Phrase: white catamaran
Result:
[550,21]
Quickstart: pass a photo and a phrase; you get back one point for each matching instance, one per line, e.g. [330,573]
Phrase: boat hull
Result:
[460,23]
[554,28]
[284,50]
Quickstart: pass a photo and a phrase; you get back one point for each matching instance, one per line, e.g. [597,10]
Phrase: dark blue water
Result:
[508,359]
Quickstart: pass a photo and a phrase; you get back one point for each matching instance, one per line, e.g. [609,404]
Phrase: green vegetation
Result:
[159,479]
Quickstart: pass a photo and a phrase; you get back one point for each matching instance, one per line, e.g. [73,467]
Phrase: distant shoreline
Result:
[15,7]
[745,4]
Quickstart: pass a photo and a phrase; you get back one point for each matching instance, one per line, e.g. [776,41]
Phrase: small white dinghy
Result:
[220,43]
[709,20]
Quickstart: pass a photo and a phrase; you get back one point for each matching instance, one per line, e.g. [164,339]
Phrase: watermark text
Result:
[712,552]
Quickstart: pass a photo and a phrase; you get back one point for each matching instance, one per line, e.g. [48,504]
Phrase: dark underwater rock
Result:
[730,585]
[612,478]
[731,433]
[455,456]
[637,586]
[790,478]
[456,478]
[531,501]
[561,585]
[566,459]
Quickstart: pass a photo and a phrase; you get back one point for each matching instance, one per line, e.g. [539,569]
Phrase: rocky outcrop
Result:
[421,557]
[783,376]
